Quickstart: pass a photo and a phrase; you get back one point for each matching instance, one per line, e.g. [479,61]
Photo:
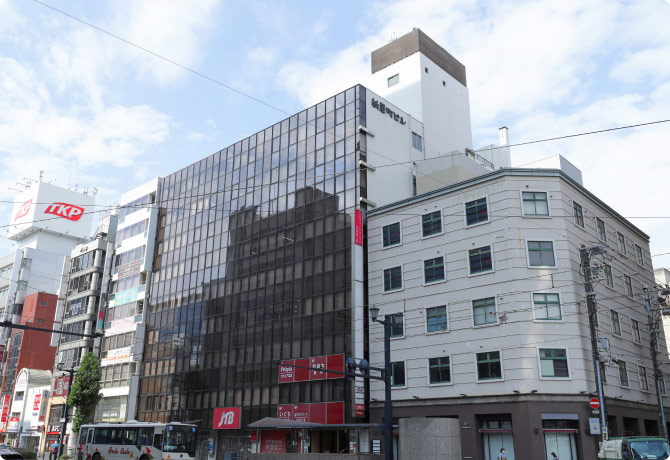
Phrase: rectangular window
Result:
[603,372]
[636,331]
[602,233]
[579,214]
[554,362]
[629,286]
[417,141]
[623,374]
[489,366]
[398,374]
[391,234]
[431,224]
[480,260]
[397,327]
[484,311]
[621,242]
[436,319]
[616,325]
[439,370]
[476,212]
[392,279]
[609,279]
[433,270]
[541,254]
[535,204]
[547,307]
[638,256]
[394,80]
[644,383]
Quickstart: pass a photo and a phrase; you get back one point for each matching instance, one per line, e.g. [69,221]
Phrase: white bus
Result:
[137,441]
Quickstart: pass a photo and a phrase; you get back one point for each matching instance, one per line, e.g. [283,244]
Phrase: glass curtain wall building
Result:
[253,265]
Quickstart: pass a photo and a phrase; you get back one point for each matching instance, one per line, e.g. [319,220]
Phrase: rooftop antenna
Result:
[95,191]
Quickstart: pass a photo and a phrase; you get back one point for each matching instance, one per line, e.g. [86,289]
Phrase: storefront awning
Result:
[272,423]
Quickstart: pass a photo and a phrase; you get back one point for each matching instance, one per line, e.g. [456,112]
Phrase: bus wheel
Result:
[96,456]
[144,457]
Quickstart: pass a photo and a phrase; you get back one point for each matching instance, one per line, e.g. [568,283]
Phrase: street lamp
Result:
[388,323]
[63,429]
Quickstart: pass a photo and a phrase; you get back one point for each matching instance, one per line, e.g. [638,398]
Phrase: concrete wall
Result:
[429,439]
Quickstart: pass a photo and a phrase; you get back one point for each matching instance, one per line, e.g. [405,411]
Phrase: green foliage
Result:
[27,454]
[85,391]
[65,457]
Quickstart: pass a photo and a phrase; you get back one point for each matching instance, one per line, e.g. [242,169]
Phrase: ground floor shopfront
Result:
[528,426]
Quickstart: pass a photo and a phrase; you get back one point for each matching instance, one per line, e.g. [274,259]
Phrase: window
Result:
[484,311]
[603,372]
[480,260]
[535,204]
[433,270]
[621,242]
[554,362]
[19,396]
[635,325]
[616,325]
[439,370]
[417,141]
[436,319]
[476,212]
[394,80]
[391,235]
[638,256]
[629,286]
[547,307]
[489,366]
[623,374]
[431,223]
[398,374]
[602,234]
[397,327]
[579,214]
[392,279]
[644,383]
[609,279]
[541,254]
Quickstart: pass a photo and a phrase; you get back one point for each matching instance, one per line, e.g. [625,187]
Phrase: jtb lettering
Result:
[67,211]
[227,418]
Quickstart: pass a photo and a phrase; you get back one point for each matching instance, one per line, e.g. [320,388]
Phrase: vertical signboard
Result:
[43,408]
[5,411]
[358,227]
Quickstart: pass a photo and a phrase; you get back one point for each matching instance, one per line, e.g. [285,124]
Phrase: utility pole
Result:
[63,428]
[592,309]
[653,318]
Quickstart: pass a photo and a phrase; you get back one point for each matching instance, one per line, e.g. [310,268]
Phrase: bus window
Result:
[90,436]
[102,435]
[130,436]
[82,435]
[157,441]
[146,436]
[115,436]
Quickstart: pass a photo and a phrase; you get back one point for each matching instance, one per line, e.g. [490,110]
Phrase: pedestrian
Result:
[554,456]
[53,451]
[502,455]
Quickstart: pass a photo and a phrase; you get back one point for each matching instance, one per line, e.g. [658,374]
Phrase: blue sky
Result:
[91,110]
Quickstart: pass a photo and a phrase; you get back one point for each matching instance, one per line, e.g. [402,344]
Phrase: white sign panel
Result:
[594,425]
[118,355]
[55,209]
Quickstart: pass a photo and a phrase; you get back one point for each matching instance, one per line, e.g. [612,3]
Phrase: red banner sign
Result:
[324,413]
[289,374]
[358,227]
[61,386]
[36,403]
[5,407]
[227,418]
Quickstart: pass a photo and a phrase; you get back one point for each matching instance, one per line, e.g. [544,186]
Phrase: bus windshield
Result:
[178,438]
[651,450]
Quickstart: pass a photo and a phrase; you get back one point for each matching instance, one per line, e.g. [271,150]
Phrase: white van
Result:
[634,447]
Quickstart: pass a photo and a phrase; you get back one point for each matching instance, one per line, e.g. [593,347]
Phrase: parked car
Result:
[7,453]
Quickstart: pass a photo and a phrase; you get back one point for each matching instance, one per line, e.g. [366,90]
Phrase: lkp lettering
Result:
[66,211]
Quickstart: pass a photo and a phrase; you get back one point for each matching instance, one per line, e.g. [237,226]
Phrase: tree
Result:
[85,391]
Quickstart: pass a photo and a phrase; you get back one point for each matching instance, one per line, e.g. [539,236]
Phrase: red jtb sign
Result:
[24,209]
[66,211]
[227,418]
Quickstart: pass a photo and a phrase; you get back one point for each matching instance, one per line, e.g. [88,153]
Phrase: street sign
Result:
[594,426]
[594,403]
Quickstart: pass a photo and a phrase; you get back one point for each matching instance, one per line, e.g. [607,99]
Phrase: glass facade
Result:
[253,265]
